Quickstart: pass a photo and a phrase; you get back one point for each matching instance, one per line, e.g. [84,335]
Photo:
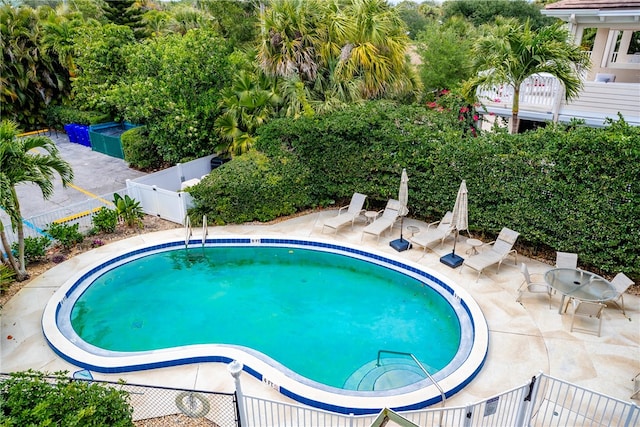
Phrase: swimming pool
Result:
[286,376]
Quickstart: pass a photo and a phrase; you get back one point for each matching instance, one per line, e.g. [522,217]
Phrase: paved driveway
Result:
[95,174]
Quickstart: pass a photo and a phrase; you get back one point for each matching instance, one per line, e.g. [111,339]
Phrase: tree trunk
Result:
[515,109]
[7,249]
[21,272]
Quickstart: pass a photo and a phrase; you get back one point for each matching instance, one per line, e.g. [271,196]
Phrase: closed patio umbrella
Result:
[459,221]
[403,193]
[403,198]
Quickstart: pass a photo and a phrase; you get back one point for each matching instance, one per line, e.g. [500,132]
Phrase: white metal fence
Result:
[543,401]
[78,213]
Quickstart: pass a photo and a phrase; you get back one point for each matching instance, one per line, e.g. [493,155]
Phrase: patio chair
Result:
[433,233]
[566,260]
[621,283]
[536,287]
[497,252]
[587,309]
[385,221]
[353,211]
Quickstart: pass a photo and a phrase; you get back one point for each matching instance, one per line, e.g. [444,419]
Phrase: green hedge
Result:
[252,187]
[564,187]
[139,151]
[58,116]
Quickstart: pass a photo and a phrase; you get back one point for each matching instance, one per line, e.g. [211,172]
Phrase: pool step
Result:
[392,373]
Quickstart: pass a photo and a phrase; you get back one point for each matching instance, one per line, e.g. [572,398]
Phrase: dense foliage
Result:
[481,12]
[140,151]
[563,187]
[30,399]
[174,87]
[252,187]
[35,248]
[445,54]
[31,73]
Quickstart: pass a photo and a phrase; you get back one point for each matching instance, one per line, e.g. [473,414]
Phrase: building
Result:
[611,86]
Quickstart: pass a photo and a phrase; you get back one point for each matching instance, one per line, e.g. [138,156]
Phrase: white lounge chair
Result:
[433,233]
[353,211]
[384,222]
[621,283]
[529,285]
[498,251]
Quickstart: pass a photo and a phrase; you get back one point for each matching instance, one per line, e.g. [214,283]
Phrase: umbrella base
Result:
[452,260]
[400,244]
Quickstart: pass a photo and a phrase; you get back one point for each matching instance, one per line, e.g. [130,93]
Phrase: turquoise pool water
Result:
[322,315]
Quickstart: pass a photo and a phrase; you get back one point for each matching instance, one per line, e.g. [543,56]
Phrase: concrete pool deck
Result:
[524,338]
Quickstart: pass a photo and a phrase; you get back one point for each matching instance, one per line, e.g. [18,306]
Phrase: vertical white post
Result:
[524,408]
[235,369]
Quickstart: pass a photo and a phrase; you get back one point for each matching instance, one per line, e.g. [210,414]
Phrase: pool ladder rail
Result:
[189,230]
[420,365]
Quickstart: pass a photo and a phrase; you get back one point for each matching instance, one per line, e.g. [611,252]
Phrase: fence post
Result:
[181,177]
[468,414]
[525,405]
[632,410]
[235,369]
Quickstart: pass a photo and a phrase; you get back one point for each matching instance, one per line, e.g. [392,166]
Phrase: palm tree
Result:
[374,47]
[31,78]
[511,52]
[247,106]
[28,160]
[290,32]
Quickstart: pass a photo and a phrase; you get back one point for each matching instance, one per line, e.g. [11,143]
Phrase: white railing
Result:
[541,90]
[542,99]
[543,401]
[560,403]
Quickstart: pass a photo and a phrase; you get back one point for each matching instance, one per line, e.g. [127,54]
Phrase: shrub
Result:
[59,115]
[6,277]
[105,220]
[67,235]
[139,151]
[251,187]
[30,399]
[35,248]
[128,210]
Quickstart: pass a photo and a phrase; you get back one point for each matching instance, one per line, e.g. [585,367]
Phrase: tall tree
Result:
[31,77]
[445,53]
[126,12]
[512,51]
[33,160]
[328,44]
[374,47]
[481,12]
[100,58]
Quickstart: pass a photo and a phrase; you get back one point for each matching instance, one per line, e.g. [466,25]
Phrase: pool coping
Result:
[320,397]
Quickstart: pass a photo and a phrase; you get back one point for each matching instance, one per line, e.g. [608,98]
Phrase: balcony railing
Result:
[542,99]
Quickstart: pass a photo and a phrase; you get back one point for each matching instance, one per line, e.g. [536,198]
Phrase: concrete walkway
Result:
[524,338]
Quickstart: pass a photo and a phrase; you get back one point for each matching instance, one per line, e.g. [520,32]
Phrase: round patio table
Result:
[579,284]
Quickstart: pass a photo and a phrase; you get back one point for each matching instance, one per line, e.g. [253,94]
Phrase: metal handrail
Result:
[205,229]
[188,232]
[444,398]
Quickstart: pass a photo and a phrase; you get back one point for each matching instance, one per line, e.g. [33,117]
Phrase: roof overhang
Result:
[595,11]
